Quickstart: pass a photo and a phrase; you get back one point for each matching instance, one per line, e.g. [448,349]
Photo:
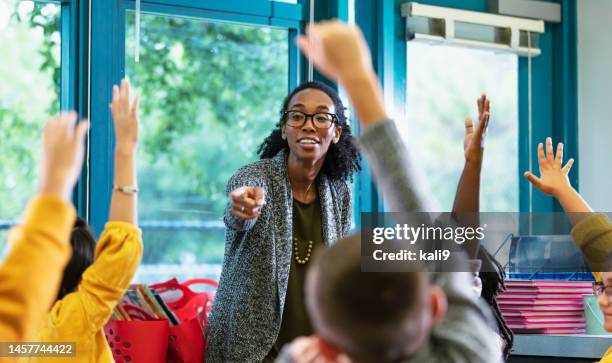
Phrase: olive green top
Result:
[306,227]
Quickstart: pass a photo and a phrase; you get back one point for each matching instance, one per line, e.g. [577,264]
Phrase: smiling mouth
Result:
[307,141]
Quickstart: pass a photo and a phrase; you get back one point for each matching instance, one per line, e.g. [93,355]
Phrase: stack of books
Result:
[544,306]
[146,300]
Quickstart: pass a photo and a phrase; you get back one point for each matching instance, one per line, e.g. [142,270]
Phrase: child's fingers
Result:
[533,179]
[81,130]
[469,125]
[541,156]
[67,120]
[480,104]
[487,107]
[134,111]
[559,155]
[549,149]
[482,125]
[566,169]
[125,97]
[115,93]
[123,89]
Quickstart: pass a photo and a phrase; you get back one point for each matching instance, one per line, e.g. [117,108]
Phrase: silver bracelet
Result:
[126,190]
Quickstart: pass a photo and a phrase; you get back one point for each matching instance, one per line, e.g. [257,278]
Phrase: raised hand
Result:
[553,178]
[63,150]
[473,143]
[338,50]
[123,205]
[247,202]
[125,117]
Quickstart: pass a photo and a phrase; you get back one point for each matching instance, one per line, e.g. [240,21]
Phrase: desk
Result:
[559,348]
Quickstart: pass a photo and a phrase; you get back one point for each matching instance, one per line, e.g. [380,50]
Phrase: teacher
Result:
[282,208]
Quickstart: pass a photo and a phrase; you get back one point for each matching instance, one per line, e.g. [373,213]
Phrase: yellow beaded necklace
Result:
[297,256]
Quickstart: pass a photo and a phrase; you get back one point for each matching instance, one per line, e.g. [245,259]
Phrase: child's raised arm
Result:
[40,248]
[554,181]
[592,233]
[119,249]
[123,206]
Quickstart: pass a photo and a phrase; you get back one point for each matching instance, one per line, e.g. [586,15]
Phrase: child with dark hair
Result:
[39,249]
[94,283]
[386,317]
[83,245]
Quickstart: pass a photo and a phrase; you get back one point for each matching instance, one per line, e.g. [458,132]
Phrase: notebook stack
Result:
[544,306]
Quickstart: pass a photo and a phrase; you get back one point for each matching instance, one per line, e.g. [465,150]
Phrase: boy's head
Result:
[83,249]
[372,317]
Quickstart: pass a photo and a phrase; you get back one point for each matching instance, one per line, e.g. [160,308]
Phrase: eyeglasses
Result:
[599,289]
[321,120]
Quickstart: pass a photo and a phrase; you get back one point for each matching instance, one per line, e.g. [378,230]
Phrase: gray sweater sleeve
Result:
[465,335]
[389,159]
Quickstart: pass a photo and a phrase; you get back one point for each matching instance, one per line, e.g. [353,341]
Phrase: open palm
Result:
[553,175]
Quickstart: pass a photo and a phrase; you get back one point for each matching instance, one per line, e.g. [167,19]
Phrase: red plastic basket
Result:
[138,340]
[187,343]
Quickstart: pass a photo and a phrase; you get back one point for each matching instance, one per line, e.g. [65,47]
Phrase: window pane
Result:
[29,93]
[443,85]
[211,92]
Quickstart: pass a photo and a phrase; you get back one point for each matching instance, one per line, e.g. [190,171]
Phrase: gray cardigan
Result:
[246,315]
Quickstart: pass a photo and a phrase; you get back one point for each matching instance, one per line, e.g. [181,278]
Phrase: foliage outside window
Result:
[29,93]
[211,92]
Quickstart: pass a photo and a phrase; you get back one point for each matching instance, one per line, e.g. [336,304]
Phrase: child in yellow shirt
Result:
[592,231]
[90,291]
[39,249]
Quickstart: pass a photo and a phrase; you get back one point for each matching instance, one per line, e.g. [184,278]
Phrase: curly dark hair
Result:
[342,158]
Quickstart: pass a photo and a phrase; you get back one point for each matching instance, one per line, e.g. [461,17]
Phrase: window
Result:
[29,93]
[443,83]
[211,92]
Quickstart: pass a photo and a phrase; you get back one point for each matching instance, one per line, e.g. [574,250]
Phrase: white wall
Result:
[595,102]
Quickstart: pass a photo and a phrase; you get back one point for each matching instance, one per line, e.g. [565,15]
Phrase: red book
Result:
[539,314]
[548,319]
[547,325]
[548,290]
[550,331]
[540,302]
[545,297]
[523,308]
[548,284]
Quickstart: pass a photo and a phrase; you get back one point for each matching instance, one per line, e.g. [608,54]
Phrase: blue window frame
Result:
[107,66]
[554,78]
